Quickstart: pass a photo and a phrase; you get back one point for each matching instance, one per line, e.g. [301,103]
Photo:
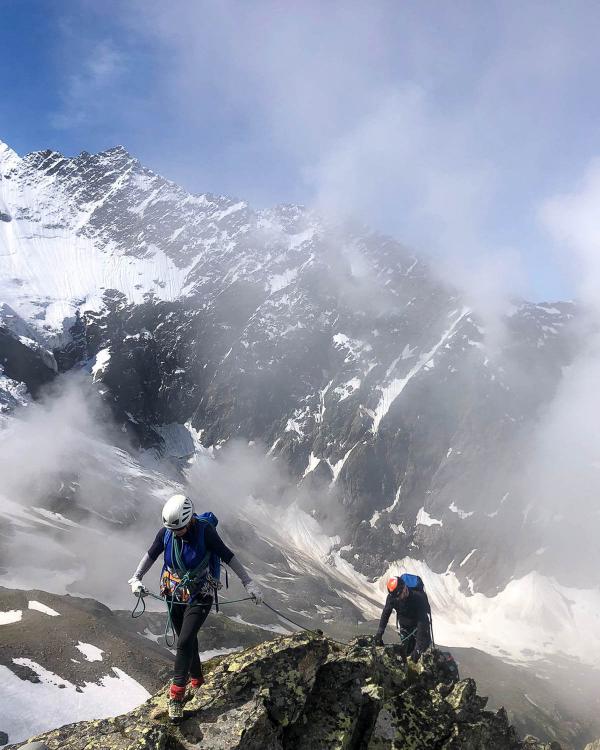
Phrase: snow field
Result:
[531,617]
[30,708]
[47,265]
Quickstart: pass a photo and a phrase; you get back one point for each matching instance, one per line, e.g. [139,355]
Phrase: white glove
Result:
[137,587]
[254,590]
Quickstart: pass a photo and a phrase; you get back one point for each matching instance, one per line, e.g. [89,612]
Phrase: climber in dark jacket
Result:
[412,617]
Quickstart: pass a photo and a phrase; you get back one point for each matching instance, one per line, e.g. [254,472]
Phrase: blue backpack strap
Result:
[205,518]
[211,559]
[167,550]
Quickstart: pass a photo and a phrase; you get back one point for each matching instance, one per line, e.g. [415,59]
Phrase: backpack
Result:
[202,567]
[415,583]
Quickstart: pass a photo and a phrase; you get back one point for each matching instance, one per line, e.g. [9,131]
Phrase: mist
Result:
[563,479]
[80,505]
[77,505]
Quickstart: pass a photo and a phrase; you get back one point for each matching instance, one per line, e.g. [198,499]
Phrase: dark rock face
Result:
[22,358]
[390,414]
[310,693]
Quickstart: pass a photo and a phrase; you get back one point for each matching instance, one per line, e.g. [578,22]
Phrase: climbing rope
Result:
[170,636]
[319,632]
[169,633]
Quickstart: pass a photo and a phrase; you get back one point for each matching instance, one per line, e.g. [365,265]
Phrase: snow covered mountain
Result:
[400,424]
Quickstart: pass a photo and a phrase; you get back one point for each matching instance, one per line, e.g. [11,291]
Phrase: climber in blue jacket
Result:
[192,550]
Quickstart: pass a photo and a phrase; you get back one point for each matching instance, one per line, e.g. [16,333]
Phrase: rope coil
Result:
[170,636]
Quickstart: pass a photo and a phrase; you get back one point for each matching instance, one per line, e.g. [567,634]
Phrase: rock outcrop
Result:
[306,692]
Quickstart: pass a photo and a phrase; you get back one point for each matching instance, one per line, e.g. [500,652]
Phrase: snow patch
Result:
[396,500]
[551,310]
[10,616]
[91,653]
[101,362]
[295,240]
[58,517]
[293,425]
[338,465]
[424,519]
[353,347]
[43,608]
[271,628]
[460,513]
[313,462]
[212,653]
[348,388]
[152,636]
[468,557]
[281,280]
[234,208]
[31,708]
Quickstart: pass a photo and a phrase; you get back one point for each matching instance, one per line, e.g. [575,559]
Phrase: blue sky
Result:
[458,127]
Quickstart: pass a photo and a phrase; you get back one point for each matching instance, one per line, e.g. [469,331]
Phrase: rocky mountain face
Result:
[337,349]
[306,692]
[25,365]
[402,416]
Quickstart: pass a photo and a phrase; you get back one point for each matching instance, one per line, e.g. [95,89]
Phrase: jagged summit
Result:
[8,157]
[307,693]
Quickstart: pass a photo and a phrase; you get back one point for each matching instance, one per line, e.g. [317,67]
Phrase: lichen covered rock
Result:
[306,692]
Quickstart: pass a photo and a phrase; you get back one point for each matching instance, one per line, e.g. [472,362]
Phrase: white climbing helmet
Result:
[177,512]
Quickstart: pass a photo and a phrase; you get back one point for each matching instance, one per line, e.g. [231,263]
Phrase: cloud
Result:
[83,92]
[380,113]
[562,480]
[441,126]
[64,454]
[572,220]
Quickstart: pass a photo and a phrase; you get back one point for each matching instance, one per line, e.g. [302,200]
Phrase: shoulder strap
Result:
[203,564]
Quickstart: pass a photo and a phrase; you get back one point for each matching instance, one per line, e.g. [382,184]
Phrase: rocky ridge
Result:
[307,692]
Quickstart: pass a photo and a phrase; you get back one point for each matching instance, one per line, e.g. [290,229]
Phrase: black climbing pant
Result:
[187,621]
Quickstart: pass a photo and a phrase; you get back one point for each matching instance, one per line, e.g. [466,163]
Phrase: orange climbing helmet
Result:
[395,584]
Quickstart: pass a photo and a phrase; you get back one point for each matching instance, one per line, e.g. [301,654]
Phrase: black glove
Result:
[378,640]
[415,656]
